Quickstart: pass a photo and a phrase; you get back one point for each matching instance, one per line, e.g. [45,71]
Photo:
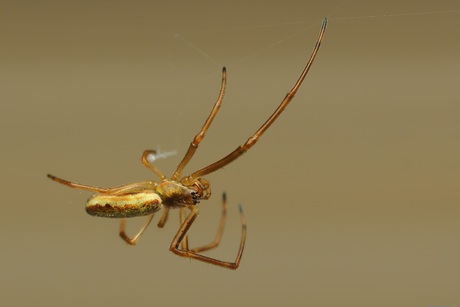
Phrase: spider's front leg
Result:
[185,227]
[220,230]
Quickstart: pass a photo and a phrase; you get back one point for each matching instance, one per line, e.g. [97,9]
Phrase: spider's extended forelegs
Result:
[199,137]
[255,137]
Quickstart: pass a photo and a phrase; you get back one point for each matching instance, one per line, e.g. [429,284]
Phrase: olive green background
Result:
[352,196]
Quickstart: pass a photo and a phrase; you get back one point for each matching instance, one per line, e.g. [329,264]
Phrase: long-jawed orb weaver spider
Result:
[145,198]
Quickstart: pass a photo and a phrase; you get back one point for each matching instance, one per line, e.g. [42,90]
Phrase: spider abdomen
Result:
[123,206]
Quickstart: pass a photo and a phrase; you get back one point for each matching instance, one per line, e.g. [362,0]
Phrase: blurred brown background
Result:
[352,197]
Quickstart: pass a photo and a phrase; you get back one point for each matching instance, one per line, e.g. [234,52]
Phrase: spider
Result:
[145,198]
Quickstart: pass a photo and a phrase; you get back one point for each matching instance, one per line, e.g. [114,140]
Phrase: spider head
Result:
[174,194]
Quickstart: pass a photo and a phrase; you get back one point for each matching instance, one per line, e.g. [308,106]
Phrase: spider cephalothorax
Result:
[174,194]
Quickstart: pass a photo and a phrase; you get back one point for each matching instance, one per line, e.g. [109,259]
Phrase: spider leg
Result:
[164,218]
[185,227]
[133,240]
[182,217]
[151,166]
[255,137]
[199,137]
[220,229]
[76,185]
[124,189]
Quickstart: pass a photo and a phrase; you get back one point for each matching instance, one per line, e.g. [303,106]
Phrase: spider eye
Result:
[195,196]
